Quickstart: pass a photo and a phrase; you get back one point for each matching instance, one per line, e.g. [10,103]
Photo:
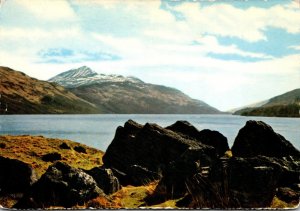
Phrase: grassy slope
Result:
[30,149]
[131,197]
[27,95]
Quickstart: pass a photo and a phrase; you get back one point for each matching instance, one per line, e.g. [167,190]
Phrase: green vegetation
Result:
[61,104]
[285,105]
[291,110]
[286,98]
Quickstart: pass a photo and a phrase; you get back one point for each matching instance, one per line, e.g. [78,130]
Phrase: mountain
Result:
[119,94]
[85,76]
[22,94]
[286,98]
[284,105]
[252,105]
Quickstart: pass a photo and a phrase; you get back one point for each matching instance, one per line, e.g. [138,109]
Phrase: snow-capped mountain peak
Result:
[81,72]
[86,76]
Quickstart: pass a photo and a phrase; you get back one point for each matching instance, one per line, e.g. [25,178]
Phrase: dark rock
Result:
[178,172]
[252,182]
[258,138]
[184,127]
[80,149]
[185,202]
[16,176]
[61,185]
[205,194]
[206,136]
[64,146]
[290,169]
[150,146]
[288,195]
[51,157]
[2,145]
[122,151]
[214,139]
[105,179]
[121,176]
[296,187]
[138,175]
[190,167]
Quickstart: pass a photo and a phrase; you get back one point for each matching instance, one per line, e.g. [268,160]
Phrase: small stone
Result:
[51,157]
[64,146]
[80,149]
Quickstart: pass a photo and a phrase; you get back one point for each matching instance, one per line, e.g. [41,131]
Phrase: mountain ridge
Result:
[119,94]
[283,105]
[90,92]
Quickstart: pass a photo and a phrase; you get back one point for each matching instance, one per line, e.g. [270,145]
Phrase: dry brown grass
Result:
[102,202]
[228,154]
[19,84]
[30,149]
[133,197]
[278,204]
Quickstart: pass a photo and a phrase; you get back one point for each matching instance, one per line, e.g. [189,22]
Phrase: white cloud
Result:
[295,47]
[34,34]
[249,24]
[49,10]
[211,44]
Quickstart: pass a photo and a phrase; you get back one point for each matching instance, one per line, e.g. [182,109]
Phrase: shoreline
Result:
[133,171]
[98,130]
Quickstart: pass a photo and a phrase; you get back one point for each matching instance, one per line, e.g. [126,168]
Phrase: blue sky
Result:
[228,53]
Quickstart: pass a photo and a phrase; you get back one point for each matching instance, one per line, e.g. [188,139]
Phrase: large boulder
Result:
[179,172]
[215,139]
[252,182]
[150,147]
[16,176]
[105,179]
[243,182]
[61,185]
[206,136]
[258,138]
[185,128]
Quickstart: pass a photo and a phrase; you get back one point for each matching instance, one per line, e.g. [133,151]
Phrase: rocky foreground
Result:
[149,166]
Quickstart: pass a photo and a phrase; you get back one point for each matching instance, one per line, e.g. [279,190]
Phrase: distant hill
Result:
[21,94]
[285,105]
[252,105]
[119,94]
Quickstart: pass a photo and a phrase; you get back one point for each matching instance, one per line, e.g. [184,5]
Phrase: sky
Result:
[228,53]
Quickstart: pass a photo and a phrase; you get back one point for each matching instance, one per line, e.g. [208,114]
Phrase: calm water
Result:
[98,130]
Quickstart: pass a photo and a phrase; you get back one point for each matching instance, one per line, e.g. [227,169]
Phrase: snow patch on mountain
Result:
[86,76]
